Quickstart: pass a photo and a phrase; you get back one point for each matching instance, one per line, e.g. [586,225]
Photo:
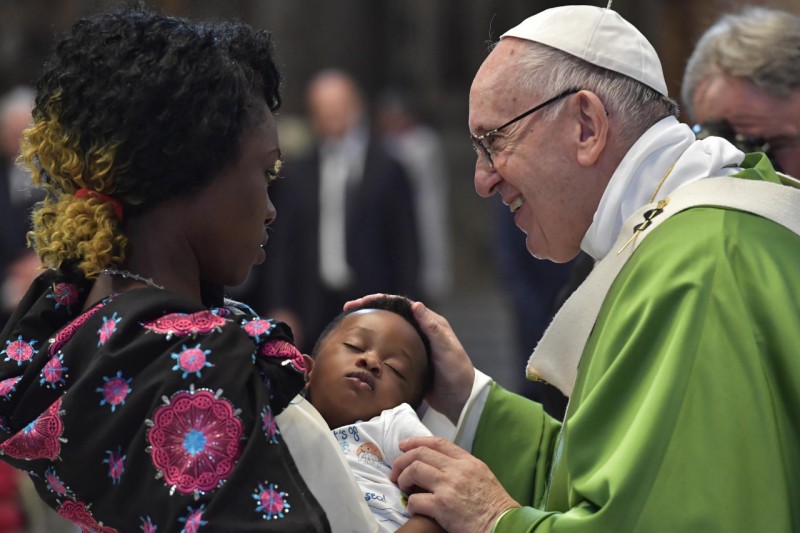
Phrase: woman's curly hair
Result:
[141,107]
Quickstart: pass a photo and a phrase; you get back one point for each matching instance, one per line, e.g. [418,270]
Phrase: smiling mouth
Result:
[516,204]
[364,377]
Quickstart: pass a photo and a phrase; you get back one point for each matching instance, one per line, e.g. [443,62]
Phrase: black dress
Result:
[150,412]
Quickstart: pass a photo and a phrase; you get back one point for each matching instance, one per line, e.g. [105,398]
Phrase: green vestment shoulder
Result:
[685,415]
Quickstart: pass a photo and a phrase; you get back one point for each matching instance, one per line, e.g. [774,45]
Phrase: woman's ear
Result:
[594,128]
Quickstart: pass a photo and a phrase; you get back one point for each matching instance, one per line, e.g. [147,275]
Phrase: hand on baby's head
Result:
[365,362]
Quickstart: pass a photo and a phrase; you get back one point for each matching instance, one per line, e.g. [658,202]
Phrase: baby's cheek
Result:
[409,395]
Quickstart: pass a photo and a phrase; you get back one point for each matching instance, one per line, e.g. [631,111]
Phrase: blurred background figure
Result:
[18,264]
[12,515]
[533,288]
[21,510]
[419,148]
[742,82]
[361,239]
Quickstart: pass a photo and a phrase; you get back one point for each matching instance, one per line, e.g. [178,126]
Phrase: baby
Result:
[370,371]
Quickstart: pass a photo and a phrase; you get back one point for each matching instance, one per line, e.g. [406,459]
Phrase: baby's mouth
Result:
[364,377]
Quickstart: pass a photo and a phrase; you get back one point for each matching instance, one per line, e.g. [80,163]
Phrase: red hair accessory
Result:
[115,205]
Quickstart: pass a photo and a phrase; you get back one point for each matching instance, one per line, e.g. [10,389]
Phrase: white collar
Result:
[353,143]
[350,150]
[637,177]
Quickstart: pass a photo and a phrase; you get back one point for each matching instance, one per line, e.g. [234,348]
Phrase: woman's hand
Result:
[449,485]
[453,370]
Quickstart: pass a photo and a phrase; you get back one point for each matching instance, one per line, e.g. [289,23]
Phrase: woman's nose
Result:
[272,213]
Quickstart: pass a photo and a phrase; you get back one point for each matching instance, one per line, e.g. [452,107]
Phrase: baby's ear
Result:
[309,365]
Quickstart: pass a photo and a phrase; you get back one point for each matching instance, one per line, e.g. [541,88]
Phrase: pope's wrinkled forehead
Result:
[501,62]
[494,89]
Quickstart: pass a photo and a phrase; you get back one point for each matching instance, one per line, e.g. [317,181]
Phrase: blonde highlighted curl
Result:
[65,228]
[143,108]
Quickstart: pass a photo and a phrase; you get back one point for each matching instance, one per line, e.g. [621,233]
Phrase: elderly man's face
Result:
[753,112]
[532,164]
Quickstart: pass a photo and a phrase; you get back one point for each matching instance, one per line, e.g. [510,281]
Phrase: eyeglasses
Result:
[722,128]
[477,140]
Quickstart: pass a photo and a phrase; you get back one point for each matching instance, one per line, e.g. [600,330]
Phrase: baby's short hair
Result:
[398,305]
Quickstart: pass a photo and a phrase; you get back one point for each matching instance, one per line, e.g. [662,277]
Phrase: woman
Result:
[134,395]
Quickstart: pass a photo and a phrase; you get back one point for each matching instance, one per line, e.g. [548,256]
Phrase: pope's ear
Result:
[594,128]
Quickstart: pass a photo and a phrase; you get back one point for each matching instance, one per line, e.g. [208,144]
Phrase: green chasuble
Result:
[685,416]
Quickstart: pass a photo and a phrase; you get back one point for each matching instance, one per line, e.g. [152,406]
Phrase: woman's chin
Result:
[261,256]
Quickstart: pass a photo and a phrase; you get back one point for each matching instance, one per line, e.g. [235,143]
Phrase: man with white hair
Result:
[744,75]
[679,351]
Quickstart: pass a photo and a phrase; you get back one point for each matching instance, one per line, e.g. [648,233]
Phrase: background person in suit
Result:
[419,148]
[18,264]
[533,287]
[348,224]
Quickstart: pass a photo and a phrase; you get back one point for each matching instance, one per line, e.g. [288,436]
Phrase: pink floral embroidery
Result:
[284,350]
[193,520]
[64,294]
[258,327]
[19,350]
[107,329]
[41,439]
[272,503]
[77,513]
[54,372]
[115,390]
[116,464]
[195,441]
[7,386]
[69,330]
[270,426]
[182,324]
[191,360]
[147,525]
[54,482]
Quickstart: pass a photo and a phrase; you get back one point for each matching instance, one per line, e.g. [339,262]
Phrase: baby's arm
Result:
[421,524]
[405,425]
